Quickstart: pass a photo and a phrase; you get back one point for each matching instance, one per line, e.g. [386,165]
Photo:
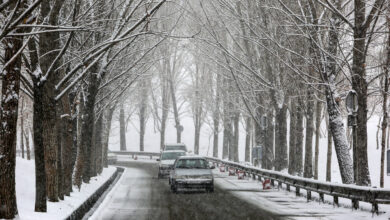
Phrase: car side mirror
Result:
[158,159]
[212,167]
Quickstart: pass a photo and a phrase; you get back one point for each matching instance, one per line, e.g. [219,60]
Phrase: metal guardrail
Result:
[371,195]
[136,153]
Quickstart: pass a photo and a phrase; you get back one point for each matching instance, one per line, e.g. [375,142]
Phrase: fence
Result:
[355,193]
[136,153]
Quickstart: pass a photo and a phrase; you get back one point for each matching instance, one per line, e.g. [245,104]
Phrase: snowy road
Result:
[140,195]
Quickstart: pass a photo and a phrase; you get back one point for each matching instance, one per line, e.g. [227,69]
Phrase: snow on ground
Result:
[25,193]
[282,202]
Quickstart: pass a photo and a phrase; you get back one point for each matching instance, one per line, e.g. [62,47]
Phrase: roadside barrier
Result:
[355,193]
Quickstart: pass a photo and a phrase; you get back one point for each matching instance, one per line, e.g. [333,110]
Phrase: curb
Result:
[90,202]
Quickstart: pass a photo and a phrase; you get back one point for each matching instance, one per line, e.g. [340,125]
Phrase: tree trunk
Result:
[142,114]
[248,139]
[98,144]
[216,115]
[359,84]
[28,149]
[175,111]
[122,128]
[281,157]
[107,127]
[79,166]
[292,141]
[329,157]
[39,150]
[299,140]
[22,127]
[384,105]
[308,168]
[8,130]
[270,141]
[317,140]
[49,45]
[60,174]
[236,136]
[165,110]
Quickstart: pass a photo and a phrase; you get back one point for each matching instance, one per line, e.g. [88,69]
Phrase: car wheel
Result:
[173,188]
[210,189]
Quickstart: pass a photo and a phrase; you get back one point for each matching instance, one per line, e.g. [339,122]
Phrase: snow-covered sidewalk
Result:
[284,203]
[25,193]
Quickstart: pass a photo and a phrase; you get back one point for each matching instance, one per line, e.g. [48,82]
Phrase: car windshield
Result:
[175,147]
[191,164]
[171,155]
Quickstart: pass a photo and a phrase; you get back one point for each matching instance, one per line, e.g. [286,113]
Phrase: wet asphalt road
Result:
[140,195]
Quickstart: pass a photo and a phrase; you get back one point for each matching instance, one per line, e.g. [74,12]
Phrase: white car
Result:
[167,159]
[192,172]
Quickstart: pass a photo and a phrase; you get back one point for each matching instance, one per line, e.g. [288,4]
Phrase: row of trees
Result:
[74,61]
[294,63]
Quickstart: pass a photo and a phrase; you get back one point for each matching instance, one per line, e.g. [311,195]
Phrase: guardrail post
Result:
[355,203]
[321,197]
[297,191]
[308,195]
[375,208]
[336,201]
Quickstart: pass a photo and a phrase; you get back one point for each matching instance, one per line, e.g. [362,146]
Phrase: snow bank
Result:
[25,193]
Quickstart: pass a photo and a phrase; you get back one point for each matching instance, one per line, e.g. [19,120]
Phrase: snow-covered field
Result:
[25,193]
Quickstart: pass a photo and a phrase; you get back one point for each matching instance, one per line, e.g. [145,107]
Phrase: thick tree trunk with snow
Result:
[122,129]
[8,118]
[335,118]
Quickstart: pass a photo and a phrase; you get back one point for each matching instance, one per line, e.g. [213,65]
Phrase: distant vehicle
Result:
[168,147]
[257,155]
[167,159]
[191,172]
